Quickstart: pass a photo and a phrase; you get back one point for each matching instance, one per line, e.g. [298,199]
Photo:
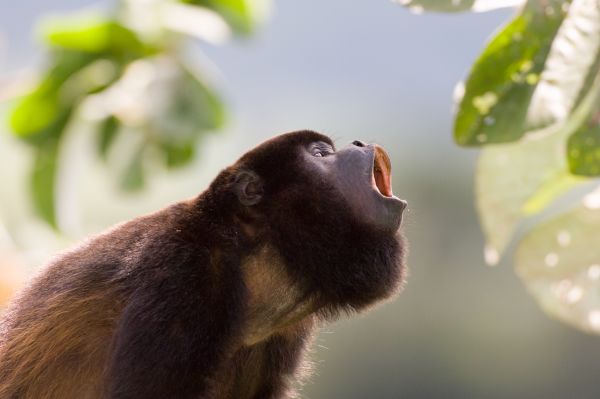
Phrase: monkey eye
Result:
[321,150]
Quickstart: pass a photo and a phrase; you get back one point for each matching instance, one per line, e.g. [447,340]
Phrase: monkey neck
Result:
[275,303]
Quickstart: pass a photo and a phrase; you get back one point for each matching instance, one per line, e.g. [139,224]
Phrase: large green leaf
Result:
[457,5]
[516,180]
[520,179]
[498,90]
[571,66]
[559,261]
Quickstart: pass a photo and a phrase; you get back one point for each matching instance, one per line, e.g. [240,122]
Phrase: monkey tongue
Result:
[382,172]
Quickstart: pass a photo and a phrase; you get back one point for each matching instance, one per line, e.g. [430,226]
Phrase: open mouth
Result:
[382,172]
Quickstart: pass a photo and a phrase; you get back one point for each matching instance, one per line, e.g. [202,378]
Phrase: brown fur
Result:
[55,347]
[217,297]
[274,302]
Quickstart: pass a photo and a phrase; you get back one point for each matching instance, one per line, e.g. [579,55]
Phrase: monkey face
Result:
[361,173]
[303,169]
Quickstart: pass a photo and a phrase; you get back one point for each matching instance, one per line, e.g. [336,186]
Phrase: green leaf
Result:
[559,261]
[108,130]
[583,146]
[43,174]
[133,175]
[419,6]
[187,108]
[517,180]
[199,102]
[549,190]
[175,108]
[238,13]
[178,155]
[93,34]
[37,111]
[572,65]
[43,182]
[502,81]
[584,150]
[192,110]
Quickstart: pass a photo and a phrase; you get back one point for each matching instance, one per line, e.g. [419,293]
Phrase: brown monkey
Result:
[216,297]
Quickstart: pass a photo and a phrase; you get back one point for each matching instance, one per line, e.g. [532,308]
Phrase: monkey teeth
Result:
[382,172]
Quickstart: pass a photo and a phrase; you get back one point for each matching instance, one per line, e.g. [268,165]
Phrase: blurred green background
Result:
[365,70]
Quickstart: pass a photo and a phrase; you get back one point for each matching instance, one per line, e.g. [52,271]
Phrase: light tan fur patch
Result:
[275,302]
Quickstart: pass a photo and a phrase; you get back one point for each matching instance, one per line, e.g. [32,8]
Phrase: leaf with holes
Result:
[498,90]
[516,180]
[571,66]
[559,261]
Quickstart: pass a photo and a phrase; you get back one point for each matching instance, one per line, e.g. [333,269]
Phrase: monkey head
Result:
[331,215]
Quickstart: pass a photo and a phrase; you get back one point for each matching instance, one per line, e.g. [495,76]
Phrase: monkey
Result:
[218,296]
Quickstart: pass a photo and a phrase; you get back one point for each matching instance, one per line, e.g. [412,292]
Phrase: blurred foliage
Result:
[128,71]
[532,98]
[418,6]
[238,13]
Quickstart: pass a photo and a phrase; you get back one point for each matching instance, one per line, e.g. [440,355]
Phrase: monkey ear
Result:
[248,187]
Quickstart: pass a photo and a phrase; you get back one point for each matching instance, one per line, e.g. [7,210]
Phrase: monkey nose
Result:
[359,143]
